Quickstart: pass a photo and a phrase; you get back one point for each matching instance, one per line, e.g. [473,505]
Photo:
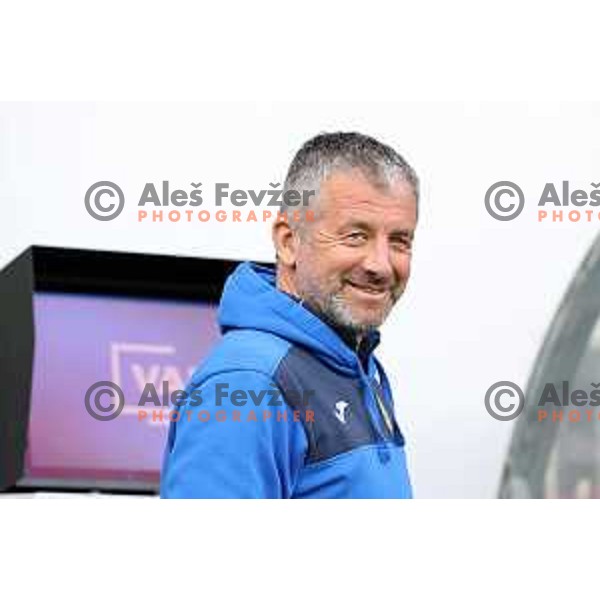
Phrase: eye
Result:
[401,243]
[355,238]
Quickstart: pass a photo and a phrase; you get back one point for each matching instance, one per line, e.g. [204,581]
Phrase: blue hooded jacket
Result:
[288,409]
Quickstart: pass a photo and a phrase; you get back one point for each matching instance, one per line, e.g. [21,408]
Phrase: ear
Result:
[285,240]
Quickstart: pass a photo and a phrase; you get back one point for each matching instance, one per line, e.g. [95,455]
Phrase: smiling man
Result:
[308,330]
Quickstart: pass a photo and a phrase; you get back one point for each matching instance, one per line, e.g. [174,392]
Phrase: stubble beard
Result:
[335,308]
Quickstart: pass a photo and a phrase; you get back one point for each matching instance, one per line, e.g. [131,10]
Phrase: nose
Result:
[377,261]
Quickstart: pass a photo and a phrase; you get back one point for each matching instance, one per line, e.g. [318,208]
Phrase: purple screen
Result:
[81,340]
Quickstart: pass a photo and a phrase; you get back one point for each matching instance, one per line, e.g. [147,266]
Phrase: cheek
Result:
[402,267]
[311,271]
[327,264]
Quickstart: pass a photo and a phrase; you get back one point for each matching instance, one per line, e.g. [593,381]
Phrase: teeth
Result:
[367,289]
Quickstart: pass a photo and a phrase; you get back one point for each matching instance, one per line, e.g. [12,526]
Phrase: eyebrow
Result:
[404,232]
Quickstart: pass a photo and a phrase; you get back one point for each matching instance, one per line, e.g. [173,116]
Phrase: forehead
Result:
[350,195]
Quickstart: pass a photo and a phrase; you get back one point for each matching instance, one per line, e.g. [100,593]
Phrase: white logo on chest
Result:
[340,410]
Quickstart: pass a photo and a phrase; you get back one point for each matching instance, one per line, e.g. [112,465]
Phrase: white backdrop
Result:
[482,294]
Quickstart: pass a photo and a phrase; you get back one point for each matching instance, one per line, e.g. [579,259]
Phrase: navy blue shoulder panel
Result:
[340,421]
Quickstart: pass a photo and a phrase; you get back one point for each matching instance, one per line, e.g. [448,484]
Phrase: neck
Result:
[285,281]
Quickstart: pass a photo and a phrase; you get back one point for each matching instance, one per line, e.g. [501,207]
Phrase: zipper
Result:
[383,451]
[383,410]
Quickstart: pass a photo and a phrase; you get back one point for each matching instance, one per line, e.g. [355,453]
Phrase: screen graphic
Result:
[82,340]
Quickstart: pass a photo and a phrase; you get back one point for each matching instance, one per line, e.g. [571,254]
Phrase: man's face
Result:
[353,261]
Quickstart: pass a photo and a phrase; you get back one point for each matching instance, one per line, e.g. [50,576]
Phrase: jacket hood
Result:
[251,300]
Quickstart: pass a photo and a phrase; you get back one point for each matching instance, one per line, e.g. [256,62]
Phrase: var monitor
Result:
[94,344]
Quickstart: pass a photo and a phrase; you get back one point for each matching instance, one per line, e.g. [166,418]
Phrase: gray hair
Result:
[328,152]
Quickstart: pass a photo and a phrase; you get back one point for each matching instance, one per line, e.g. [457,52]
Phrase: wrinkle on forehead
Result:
[354,198]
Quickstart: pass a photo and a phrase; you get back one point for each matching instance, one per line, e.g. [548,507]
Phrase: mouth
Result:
[369,291]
